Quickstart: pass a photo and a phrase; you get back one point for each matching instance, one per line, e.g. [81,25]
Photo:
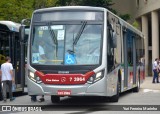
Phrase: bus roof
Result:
[9,26]
[123,23]
[71,8]
[128,25]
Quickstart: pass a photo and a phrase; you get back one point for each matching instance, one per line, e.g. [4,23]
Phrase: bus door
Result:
[16,58]
[13,51]
[129,59]
[125,58]
[134,60]
[27,30]
[7,48]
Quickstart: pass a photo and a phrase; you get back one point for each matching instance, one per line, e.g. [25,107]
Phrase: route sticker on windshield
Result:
[60,35]
[35,57]
[70,59]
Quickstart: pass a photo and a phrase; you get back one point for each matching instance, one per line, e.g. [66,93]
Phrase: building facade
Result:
[147,14]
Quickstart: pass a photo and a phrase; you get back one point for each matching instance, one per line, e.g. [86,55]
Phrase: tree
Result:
[98,3]
[15,10]
[136,24]
[37,4]
[125,16]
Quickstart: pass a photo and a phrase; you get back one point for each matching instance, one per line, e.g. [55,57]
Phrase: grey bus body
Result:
[10,46]
[89,50]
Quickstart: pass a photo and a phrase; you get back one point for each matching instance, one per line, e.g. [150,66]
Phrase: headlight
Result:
[34,78]
[96,77]
[31,74]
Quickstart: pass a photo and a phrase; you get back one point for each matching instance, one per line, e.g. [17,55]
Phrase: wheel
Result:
[55,99]
[115,98]
[136,89]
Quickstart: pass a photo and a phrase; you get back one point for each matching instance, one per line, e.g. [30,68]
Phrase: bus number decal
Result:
[79,79]
[70,79]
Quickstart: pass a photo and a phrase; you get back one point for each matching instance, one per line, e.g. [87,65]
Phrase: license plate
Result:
[64,92]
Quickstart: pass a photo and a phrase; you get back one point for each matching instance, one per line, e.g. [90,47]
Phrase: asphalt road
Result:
[148,99]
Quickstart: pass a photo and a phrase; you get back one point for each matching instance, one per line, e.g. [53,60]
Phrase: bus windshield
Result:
[66,44]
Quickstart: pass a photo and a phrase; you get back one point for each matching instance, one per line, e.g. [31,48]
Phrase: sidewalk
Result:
[147,84]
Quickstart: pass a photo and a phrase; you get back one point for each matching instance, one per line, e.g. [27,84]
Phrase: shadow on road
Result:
[85,104]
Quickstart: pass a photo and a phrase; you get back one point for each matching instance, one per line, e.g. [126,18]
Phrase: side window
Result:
[138,54]
[130,48]
[143,52]
[140,50]
[114,46]
[110,52]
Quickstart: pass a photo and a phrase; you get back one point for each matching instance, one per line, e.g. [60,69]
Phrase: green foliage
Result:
[98,3]
[135,24]
[16,10]
[37,4]
[125,17]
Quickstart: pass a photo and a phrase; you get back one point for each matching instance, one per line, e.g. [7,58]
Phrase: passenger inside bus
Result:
[42,55]
[42,51]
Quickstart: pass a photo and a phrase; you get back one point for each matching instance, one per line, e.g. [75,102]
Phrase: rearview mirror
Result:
[114,39]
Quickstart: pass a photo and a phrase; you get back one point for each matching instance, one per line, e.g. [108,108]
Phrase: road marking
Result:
[151,90]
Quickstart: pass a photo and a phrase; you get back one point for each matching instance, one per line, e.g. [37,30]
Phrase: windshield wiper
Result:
[70,52]
[79,32]
[53,38]
[52,34]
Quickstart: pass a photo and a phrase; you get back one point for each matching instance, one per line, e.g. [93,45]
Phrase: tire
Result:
[55,99]
[1,98]
[115,98]
[136,89]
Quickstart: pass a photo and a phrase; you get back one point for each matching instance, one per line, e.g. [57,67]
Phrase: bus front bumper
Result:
[96,89]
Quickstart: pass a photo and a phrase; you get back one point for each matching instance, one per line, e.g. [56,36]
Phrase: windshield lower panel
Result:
[78,44]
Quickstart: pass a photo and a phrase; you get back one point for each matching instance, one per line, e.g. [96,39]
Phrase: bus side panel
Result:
[32,86]
[100,87]
[112,79]
[130,77]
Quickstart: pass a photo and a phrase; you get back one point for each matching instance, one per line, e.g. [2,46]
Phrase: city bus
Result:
[10,45]
[88,51]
